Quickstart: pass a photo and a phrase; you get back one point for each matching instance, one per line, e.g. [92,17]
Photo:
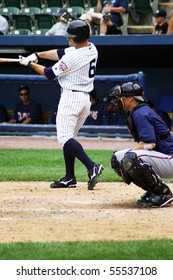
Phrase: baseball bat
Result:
[9,59]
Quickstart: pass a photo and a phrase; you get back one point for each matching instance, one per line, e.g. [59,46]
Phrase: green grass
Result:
[102,250]
[48,165]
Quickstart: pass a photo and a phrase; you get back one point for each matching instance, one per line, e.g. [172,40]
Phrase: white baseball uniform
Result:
[75,71]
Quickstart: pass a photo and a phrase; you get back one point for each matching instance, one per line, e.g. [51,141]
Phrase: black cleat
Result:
[157,200]
[64,183]
[93,175]
[143,198]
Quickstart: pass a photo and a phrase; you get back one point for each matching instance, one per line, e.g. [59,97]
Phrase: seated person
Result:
[96,110]
[52,117]
[88,19]
[170,25]
[109,15]
[164,115]
[26,111]
[161,24]
[3,114]
[61,26]
[4,26]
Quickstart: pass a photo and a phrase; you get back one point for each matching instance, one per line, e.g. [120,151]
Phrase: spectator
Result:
[170,25]
[52,117]
[161,25]
[61,26]
[88,19]
[4,26]
[96,110]
[164,115]
[140,12]
[3,114]
[26,111]
[109,16]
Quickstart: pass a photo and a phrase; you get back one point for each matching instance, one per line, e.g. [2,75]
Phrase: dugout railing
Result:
[46,92]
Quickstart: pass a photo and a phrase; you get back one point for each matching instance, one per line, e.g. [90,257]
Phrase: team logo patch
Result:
[62,66]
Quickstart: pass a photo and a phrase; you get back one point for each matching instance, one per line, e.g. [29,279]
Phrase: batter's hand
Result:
[33,57]
[24,61]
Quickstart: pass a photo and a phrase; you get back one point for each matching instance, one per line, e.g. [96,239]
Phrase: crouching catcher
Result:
[152,157]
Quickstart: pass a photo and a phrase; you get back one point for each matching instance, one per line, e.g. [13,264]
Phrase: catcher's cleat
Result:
[93,175]
[64,183]
[143,198]
[157,200]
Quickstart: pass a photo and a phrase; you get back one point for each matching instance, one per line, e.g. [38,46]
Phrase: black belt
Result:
[74,90]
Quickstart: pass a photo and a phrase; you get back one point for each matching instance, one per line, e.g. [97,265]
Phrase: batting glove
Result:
[33,57]
[24,61]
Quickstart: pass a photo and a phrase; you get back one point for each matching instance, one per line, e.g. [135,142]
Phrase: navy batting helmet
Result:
[78,29]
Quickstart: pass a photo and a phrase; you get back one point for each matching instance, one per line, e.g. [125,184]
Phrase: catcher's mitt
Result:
[67,17]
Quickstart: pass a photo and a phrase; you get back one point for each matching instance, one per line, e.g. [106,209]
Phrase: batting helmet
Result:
[78,29]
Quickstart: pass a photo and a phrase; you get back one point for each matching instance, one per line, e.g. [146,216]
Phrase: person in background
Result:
[60,27]
[161,25]
[26,111]
[3,114]
[108,16]
[111,21]
[170,25]
[96,110]
[164,115]
[4,26]
[172,126]
[88,19]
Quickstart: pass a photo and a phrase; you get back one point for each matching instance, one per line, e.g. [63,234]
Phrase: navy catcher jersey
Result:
[152,129]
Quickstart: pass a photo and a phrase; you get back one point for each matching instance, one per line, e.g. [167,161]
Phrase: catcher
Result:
[63,18]
[152,157]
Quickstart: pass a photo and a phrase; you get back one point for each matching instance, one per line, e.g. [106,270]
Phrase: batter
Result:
[75,70]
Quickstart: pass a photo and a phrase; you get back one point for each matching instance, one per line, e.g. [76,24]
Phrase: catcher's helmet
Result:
[78,29]
[128,89]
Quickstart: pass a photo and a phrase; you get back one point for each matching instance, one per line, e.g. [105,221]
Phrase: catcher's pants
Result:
[161,163]
[73,109]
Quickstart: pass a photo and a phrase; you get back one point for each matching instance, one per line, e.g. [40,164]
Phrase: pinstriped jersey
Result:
[76,68]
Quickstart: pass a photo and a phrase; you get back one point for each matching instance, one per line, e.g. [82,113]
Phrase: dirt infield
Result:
[31,211]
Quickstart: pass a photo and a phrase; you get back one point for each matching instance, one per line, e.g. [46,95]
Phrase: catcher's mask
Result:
[126,89]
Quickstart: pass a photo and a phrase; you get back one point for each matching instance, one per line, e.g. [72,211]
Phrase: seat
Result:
[76,11]
[51,10]
[44,21]
[35,3]
[9,11]
[20,32]
[31,11]
[23,22]
[79,3]
[55,3]
[39,32]
[13,3]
